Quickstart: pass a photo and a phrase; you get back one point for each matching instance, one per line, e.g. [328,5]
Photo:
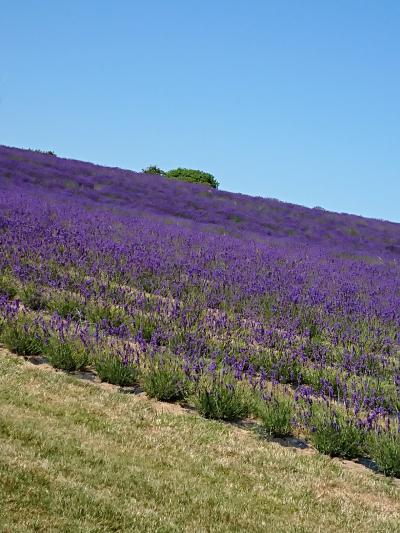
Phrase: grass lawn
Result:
[77,457]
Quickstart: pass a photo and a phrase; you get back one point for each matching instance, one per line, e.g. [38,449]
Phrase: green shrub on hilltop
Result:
[194,176]
[184,174]
[153,169]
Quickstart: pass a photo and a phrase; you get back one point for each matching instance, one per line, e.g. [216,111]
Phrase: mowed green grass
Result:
[77,457]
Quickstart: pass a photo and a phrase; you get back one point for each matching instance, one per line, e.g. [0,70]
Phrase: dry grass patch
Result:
[78,457]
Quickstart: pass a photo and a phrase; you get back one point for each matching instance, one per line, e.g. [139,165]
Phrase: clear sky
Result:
[296,100]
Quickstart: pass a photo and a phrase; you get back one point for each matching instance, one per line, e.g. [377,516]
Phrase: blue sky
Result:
[293,100]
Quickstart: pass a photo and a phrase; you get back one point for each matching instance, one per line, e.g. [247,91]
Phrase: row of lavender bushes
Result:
[221,392]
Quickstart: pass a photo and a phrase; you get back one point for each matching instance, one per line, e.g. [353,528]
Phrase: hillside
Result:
[282,319]
[215,210]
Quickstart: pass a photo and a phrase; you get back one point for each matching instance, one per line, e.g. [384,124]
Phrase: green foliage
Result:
[153,169]
[66,354]
[222,398]
[8,285]
[276,415]
[147,324]
[66,304]
[21,336]
[96,312]
[285,365]
[384,449]
[317,377]
[335,433]
[32,297]
[111,369]
[165,380]
[194,176]
[184,174]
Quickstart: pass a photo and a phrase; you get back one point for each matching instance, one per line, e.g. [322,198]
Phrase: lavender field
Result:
[240,307]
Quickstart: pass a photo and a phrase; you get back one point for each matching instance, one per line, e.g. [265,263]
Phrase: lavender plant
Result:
[66,353]
[33,297]
[112,368]
[276,412]
[163,378]
[23,336]
[254,289]
[384,449]
[222,398]
[8,285]
[336,433]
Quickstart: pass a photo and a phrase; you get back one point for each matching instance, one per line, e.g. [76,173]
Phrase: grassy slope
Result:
[77,457]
